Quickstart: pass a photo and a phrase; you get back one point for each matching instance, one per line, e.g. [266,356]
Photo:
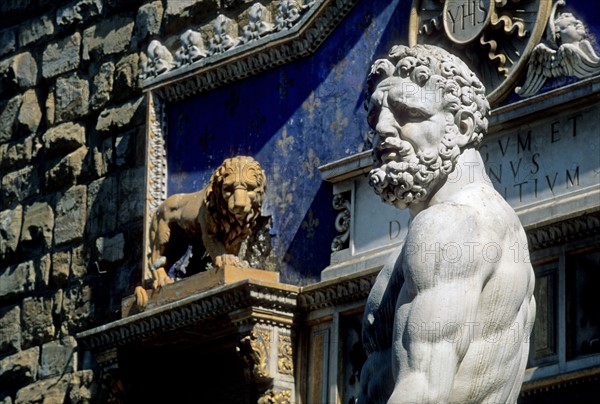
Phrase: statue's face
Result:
[410,123]
[242,184]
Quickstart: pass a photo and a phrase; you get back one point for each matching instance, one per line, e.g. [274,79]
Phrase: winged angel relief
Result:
[568,53]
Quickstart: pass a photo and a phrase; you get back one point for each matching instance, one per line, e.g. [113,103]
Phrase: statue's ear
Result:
[465,121]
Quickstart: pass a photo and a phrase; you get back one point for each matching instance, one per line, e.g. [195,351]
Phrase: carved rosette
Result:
[495,37]
[342,221]
[254,349]
[285,361]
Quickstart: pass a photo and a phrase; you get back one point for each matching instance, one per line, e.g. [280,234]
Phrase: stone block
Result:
[38,223]
[17,154]
[8,117]
[70,216]
[107,37]
[120,117]
[30,115]
[179,11]
[58,358]
[10,231]
[53,390]
[148,20]
[8,41]
[62,139]
[17,280]
[61,56]
[19,185]
[79,261]
[102,206]
[83,388]
[131,206]
[36,316]
[126,75]
[65,172]
[33,30]
[78,11]
[110,250]
[78,309]
[19,71]
[43,265]
[10,324]
[103,86]
[61,267]
[71,98]
[20,368]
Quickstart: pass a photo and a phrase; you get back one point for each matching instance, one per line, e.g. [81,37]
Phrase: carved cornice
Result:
[291,39]
[564,231]
[201,310]
[337,291]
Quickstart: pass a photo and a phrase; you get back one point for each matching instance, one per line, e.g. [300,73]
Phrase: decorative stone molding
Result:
[298,31]
[276,397]
[192,48]
[255,349]
[564,231]
[285,361]
[337,291]
[342,221]
[566,52]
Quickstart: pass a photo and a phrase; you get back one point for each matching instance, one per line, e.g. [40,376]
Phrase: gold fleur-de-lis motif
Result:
[283,198]
[311,104]
[310,224]
[311,163]
[284,142]
[339,124]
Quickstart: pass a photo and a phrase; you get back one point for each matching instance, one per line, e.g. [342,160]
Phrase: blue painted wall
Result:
[292,120]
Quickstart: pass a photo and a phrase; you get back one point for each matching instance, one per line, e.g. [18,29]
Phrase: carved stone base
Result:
[197,283]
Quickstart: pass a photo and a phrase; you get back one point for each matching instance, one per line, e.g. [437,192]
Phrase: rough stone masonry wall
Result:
[71,184]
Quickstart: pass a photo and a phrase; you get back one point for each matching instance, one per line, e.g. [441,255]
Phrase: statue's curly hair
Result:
[462,90]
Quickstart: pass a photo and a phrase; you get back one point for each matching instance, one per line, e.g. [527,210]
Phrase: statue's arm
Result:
[438,301]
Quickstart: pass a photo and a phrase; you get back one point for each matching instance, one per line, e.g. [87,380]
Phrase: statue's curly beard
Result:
[402,177]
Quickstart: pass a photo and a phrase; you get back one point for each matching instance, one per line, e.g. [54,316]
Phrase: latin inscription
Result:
[465,19]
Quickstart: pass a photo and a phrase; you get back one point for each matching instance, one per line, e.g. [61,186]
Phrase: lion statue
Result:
[214,221]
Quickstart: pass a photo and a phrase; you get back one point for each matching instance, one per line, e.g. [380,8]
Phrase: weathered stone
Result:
[38,326]
[131,206]
[78,308]
[110,249]
[65,172]
[61,266]
[8,41]
[179,11]
[53,390]
[8,117]
[50,108]
[20,368]
[126,75]
[33,30]
[103,85]
[148,20]
[17,280]
[102,206]
[79,260]
[43,265]
[6,400]
[71,98]
[78,11]
[37,227]
[63,138]
[83,389]
[19,185]
[19,71]
[30,114]
[70,216]
[61,56]
[58,358]
[107,37]
[10,324]
[123,116]
[17,154]
[10,231]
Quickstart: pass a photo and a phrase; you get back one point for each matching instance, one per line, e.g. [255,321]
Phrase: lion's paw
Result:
[228,259]
[141,298]
[161,279]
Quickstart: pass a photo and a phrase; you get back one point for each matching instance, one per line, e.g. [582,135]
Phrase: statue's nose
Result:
[240,199]
[386,124]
